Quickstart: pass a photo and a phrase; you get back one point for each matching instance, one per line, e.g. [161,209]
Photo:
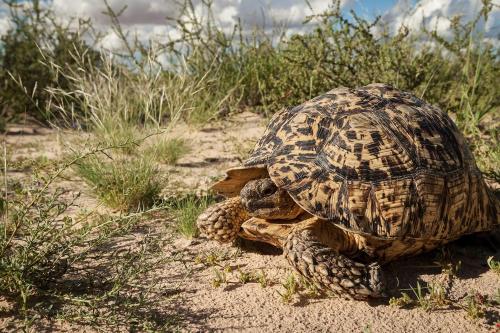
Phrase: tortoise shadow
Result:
[257,247]
[464,258]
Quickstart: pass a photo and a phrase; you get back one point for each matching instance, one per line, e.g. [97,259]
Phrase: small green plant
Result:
[219,278]
[245,277]
[401,301]
[475,306]
[207,260]
[212,258]
[186,211]
[123,183]
[436,297]
[262,279]
[223,272]
[445,260]
[291,288]
[310,288]
[451,269]
[437,294]
[169,151]
[493,264]
[422,301]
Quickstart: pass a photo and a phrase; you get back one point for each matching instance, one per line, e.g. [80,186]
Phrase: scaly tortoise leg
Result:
[222,221]
[314,249]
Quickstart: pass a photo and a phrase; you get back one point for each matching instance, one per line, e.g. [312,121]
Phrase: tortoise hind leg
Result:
[314,249]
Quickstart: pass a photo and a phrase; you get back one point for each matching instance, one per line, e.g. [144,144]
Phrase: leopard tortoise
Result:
[351,180]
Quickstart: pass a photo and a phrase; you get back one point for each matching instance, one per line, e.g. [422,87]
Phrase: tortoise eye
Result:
[268,191]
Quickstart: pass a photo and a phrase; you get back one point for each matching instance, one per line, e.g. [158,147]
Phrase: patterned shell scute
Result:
[374,160]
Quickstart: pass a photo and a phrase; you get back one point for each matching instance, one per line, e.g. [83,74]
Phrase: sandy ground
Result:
[249,307]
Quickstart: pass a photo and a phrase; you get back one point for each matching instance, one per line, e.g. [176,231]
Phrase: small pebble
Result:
[322,269]
[363,290]
[346,283]
[307,257]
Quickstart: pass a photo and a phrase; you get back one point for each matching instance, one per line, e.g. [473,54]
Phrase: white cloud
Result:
[262,13]
[265,14]
[436,14]
[111,42]
[5,25]
[228,15]
[137,11]
[147,18]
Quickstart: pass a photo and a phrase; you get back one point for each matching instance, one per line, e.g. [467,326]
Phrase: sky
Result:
[146,18]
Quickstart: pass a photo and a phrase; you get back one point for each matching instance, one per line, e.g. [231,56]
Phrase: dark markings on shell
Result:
[285,168]
[349,172]
[305,144]
[351,135]
[339,141]
[358,148]
[305,131]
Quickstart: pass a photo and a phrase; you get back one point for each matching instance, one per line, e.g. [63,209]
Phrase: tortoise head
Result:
[263,199]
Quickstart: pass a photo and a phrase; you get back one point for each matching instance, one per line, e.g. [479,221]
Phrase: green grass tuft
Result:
[168,151]
[291,288]
[493,264]
[186,211]
[475,306]
[118,133]
[124,184]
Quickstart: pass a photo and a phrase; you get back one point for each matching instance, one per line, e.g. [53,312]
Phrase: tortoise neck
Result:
[261,230]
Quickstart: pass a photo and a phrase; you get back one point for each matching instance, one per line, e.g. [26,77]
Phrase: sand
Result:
[248,307]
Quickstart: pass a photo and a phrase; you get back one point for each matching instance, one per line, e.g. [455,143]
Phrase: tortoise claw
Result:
[331,270]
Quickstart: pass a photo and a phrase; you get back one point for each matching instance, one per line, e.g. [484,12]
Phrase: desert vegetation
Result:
[115,115]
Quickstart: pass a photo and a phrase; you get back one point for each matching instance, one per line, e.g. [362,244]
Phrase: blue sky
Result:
[370,8]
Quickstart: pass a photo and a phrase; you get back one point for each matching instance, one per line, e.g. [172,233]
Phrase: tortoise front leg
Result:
[314,248]
[222,221]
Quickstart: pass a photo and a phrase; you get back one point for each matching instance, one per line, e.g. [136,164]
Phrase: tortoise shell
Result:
[376,161]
